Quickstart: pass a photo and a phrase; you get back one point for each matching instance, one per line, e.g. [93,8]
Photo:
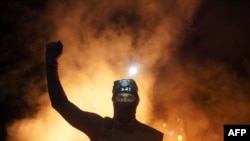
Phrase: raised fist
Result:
[53,50]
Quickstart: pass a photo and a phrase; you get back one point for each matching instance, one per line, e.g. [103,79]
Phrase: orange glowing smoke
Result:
[88,87]
[97,52]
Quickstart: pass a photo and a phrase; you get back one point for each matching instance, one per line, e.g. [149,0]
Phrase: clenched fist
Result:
[53,51]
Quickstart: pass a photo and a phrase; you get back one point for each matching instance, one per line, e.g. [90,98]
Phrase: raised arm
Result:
[82,120]
[56,92]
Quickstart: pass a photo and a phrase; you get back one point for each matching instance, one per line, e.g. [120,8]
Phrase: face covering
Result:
[124,111]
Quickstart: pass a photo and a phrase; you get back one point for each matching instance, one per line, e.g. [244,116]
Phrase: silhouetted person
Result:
[122,127]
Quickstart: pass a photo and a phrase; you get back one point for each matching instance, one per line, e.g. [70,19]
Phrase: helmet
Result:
[125,86]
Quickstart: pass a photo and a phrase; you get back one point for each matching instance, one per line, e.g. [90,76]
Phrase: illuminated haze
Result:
[185,90]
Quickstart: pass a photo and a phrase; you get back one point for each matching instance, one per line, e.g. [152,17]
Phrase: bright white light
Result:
[180,138]
[133,70]
[95,104]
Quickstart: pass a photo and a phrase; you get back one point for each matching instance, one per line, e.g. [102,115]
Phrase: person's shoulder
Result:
[108,121]
[148,129]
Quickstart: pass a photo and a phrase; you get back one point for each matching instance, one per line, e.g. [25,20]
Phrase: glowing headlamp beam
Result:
[132,70]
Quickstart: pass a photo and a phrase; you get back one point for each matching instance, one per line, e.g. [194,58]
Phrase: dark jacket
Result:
[94,126]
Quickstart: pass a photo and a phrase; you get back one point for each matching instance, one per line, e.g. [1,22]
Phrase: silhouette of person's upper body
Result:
[122,127]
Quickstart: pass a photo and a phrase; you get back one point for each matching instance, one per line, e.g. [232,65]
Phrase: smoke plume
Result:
[192,56]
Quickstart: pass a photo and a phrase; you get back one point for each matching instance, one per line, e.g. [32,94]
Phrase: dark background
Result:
[219,34]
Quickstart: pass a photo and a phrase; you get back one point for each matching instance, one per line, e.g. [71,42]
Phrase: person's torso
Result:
[140,132]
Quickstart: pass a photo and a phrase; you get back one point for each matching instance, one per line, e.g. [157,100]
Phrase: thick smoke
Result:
[192,77]
[207,84]
[22,73]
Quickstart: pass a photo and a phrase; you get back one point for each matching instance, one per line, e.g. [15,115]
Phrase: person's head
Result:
[125,99]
